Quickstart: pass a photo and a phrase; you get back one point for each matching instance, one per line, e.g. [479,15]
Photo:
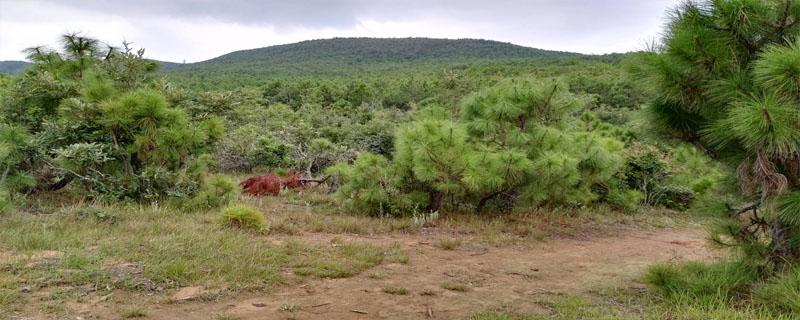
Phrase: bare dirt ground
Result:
[478,277]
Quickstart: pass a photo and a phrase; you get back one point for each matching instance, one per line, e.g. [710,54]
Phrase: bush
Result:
[509,147]
[782,293]
[244,217]
[369,185]
[216,191]
[701,281]
[674,197]
[626,200]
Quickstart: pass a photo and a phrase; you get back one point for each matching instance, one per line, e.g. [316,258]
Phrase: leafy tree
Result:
[728,79]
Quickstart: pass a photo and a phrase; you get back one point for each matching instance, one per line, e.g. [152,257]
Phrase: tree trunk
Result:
[435,200]
[60,184]
[782,252]
[485,199]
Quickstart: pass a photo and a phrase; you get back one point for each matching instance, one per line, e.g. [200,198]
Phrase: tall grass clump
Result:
[244,217]
[702,282]
[782,293]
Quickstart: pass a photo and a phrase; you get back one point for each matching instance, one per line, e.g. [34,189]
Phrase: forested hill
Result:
[371,50]
[352,56]
[13,67]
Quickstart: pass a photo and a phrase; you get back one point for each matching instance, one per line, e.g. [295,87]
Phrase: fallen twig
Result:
[321,304]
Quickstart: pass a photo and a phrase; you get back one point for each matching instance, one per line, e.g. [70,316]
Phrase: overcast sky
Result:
[195,30]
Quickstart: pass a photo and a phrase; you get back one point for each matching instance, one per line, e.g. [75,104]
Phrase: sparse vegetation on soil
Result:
[410,178]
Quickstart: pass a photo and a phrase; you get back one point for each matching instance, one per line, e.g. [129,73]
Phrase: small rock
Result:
[188,293]
[25,289]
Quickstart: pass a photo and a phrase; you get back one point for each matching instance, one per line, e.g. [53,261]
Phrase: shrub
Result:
[674,197]
[626,200]
[645,170]
[216,190]
[509,147]
[102,124]
[370,185]
[244,217]
[396,290]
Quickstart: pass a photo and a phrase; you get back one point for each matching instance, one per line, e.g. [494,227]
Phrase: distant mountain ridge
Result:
[384,49]
[13,67]
[345,55]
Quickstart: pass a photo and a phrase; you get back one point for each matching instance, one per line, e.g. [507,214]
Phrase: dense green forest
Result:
[706,124]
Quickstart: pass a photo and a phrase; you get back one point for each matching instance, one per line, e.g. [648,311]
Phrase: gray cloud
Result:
[201,29]
[312,13]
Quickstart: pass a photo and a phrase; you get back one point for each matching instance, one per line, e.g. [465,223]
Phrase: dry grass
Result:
[458,287]
[448,243]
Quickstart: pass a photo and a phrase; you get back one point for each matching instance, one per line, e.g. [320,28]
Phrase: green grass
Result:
[244,217]
[700,281]
[782,293]
[395,290]
[348,259]
[627,304]
[173,248]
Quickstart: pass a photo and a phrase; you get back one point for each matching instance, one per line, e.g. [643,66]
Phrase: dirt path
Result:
[512,275]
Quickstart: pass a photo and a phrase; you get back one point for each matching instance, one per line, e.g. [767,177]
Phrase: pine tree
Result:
[728,79]
[99,118]
[512,145]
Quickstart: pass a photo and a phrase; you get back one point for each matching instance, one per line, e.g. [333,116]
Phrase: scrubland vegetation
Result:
[120,178]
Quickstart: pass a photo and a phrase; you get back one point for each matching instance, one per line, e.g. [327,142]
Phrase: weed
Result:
[378,275]
[427,292]
[448,243]
[395,290]
[455,287]
[134,312]
[222,316]
[291,307]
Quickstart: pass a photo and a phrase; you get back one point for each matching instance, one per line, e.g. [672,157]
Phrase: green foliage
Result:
[97,119]
[727,78]
[370,185]
[13,144]
[244,217]
[510,145]
[627,200]
[335,57]
[215,191]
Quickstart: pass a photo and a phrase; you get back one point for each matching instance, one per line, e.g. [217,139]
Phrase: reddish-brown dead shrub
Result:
[294,180]
[267,184]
